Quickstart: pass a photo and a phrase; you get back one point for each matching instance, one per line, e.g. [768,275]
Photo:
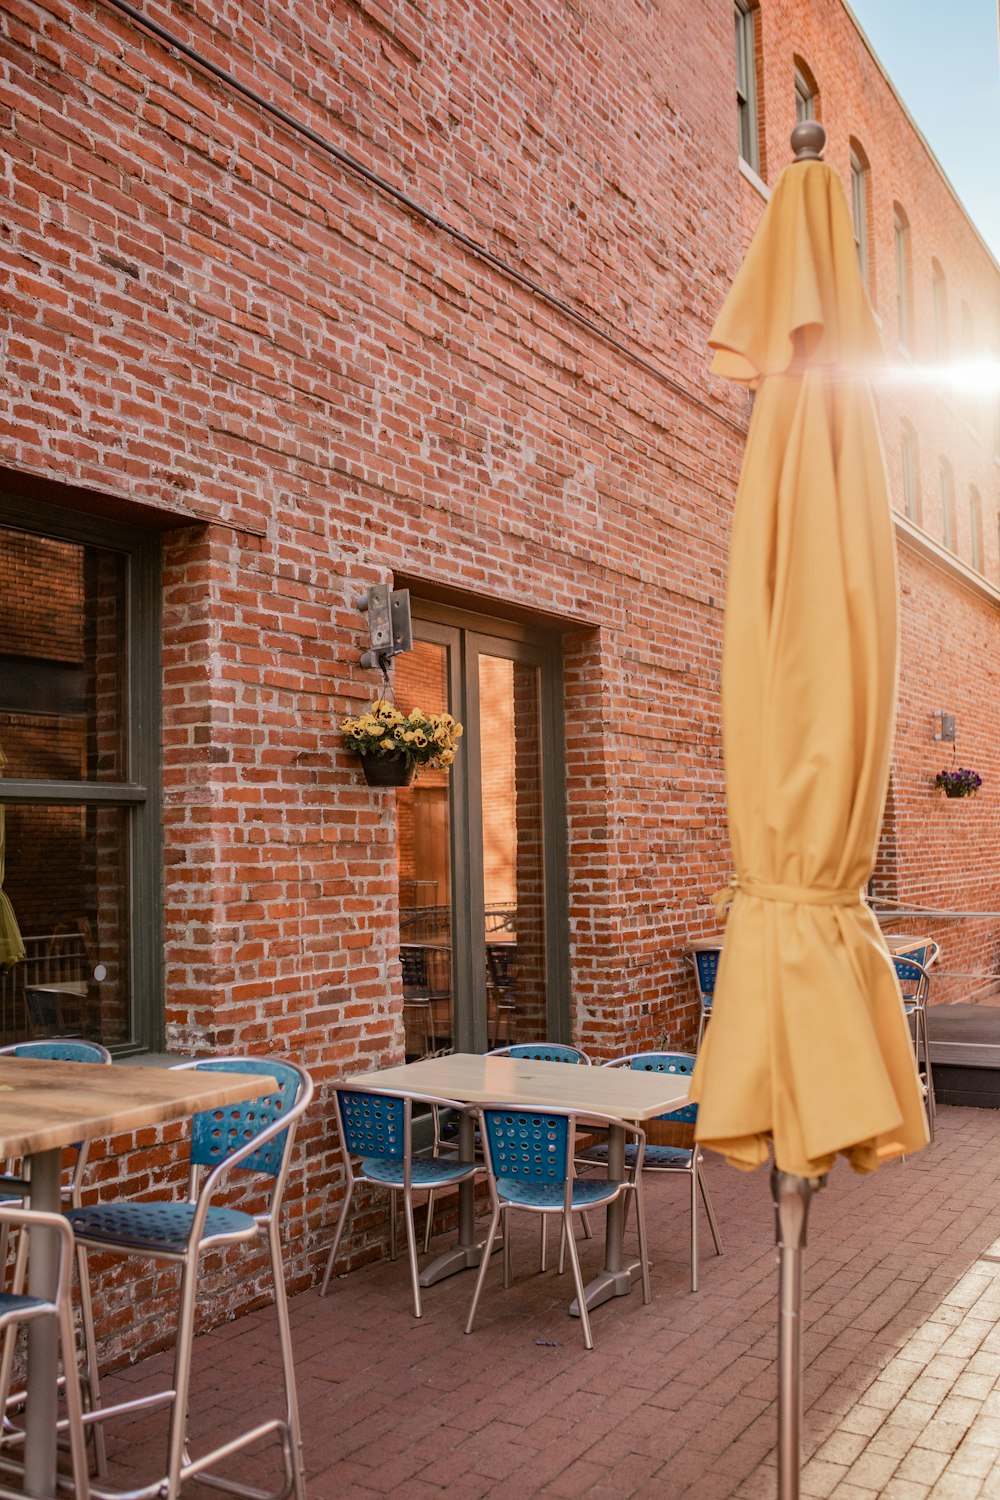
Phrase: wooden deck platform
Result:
[965,1054]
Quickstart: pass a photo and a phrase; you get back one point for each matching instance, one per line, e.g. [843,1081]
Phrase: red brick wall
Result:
[204,310]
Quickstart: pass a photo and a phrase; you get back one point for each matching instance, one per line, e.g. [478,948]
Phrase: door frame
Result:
[466,636]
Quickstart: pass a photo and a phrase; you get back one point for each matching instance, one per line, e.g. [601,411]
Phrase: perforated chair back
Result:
[705,960]
[664,1062]
[914,980]
[217,1134]
[373,1126]
[528,1146]
[543,1052]
[70,1050]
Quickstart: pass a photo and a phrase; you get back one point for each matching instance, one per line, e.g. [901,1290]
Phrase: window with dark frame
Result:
[947,505]
[746,84]
[79,728]
[859,208]
[901,251]
[805,93]
[976,529]
[908,460]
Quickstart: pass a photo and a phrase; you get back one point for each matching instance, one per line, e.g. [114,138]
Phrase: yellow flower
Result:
[416,717]
[419,738]
[446,757]
[387,743]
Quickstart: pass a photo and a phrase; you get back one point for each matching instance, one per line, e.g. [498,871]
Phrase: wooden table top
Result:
[472,1078]
[901,942]
[45,1105]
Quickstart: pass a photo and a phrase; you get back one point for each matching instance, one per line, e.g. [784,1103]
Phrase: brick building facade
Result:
[345,295]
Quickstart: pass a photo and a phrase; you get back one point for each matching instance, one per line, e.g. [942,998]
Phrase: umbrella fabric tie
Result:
[798,894]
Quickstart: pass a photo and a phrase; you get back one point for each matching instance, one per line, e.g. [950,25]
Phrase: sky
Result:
[943,59]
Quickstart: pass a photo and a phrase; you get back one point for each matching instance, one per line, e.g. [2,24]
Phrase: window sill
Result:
[757,183]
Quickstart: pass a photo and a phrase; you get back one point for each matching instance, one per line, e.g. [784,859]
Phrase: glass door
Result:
[482,849]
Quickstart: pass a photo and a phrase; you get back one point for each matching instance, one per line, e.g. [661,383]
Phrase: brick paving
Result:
[901,1357]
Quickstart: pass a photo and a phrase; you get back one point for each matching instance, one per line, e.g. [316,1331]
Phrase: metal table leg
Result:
[614,1280]
[41,1410]
[469,1251]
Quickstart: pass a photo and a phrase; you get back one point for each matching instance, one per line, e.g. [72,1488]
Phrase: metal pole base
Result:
[792,1197]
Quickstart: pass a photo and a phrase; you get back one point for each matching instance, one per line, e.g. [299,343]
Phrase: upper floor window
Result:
[976,529]
[859,208]
[806,93]
[908,461]
[947,505]
[746,84]
[939,289]
[901,248]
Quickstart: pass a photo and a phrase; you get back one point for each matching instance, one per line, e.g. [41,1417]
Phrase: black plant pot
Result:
[387,770]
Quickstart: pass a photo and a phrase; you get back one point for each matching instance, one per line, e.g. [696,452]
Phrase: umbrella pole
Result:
[792,1197]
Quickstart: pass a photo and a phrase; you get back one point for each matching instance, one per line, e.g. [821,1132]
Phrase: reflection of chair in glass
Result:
[501,991]
[57,980]
[377,1127]
[418,1013]
[529,1158]
[500,918]
[255,1136]
[69,1050]
[426,993]
[704,955]
[16,1309]
[682,1159]
[915,984]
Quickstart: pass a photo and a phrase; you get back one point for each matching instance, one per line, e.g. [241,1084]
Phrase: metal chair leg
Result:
[91,1374]
[581,1299]
[411,1248]
[710,1211]
[694,1225]
[297,1457]
[640,1215]
[338,1234]
[177,1436]
[485,1262]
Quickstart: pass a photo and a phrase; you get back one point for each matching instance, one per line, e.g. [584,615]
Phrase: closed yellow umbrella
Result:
[808,1046]
[808,1052]
[11,946]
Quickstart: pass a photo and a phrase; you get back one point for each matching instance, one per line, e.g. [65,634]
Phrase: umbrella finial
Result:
[808,140]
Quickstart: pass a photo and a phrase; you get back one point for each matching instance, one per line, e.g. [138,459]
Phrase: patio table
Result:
[45,1106]
[470,1078]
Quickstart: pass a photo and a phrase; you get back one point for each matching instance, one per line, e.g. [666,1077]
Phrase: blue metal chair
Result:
[376,1126]
[686,1160]
[16,1309]
[255,1136]
[57,1049]
[446,1133]
[915,984]
[529,1159]
[543,1052]
[704,955]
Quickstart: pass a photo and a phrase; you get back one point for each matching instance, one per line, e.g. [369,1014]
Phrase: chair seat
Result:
[12,1304]
[428,1171]
[656,1156]
[587,1192]
[159,1228]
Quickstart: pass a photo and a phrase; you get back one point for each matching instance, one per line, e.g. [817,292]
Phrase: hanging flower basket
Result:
[958,783]
[393,746]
